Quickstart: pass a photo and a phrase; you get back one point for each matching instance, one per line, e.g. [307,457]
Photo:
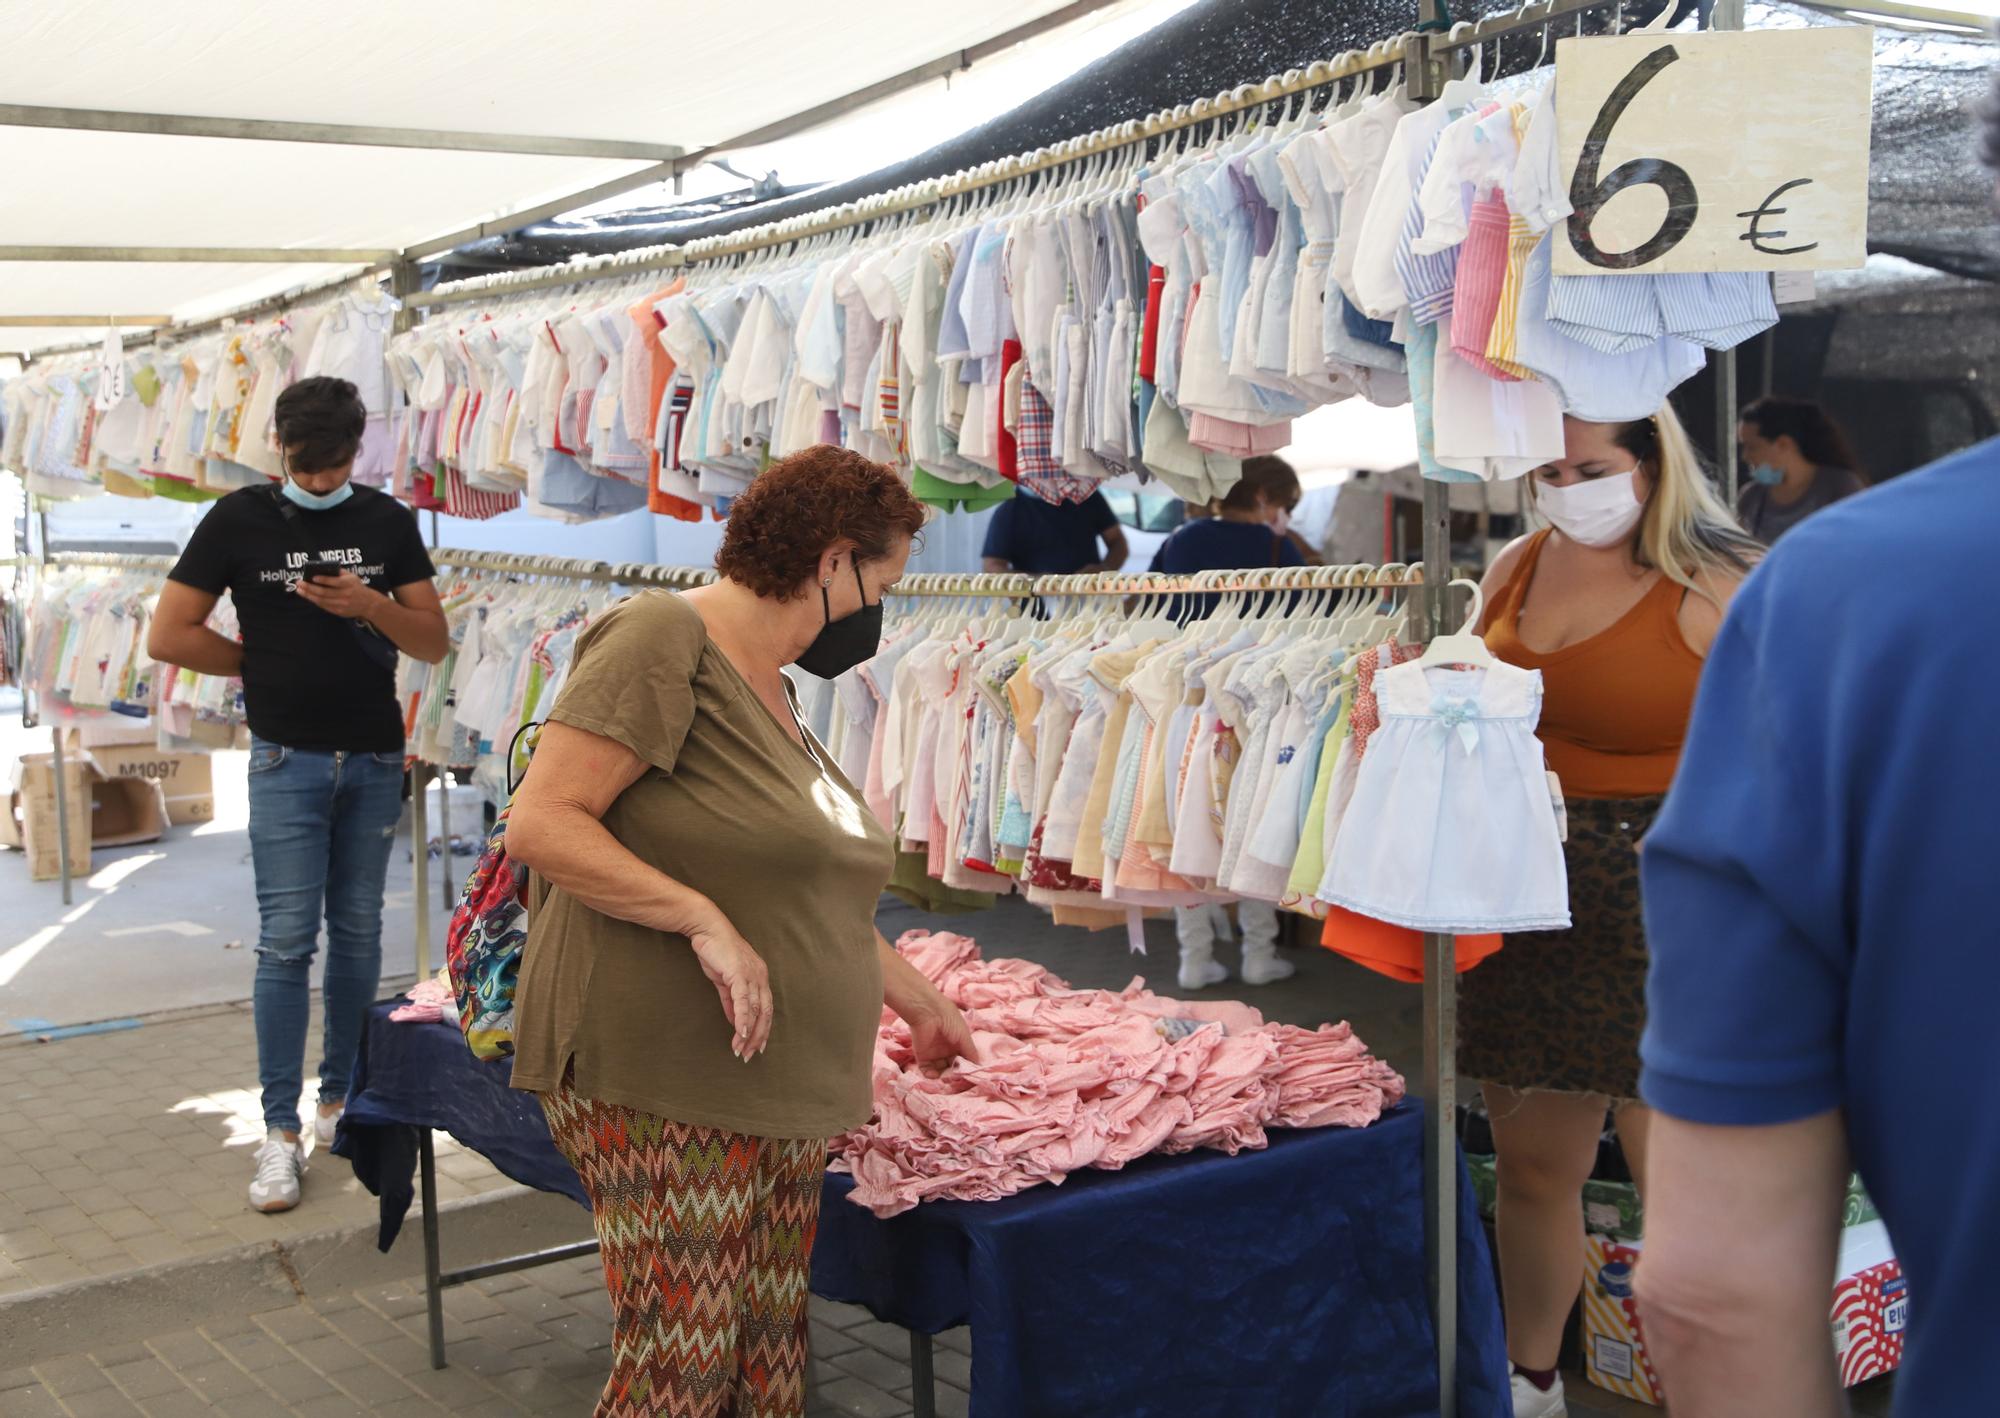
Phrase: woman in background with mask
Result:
[1796,461]
[1616,603]
[702,983]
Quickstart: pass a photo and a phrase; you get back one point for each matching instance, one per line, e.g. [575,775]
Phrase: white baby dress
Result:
[1451,828]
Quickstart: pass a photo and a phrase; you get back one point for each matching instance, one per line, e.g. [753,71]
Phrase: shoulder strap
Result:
[294,524]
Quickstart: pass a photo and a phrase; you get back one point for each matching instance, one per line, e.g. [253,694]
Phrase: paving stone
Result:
[184,1350]
[952,1366]
[329,1405]
[892,1340]
[25,1242]
[828,1342]
[217,1380]
[178,1405]
[292,1326]
[953,1402]
[858,1399]
[143,1379]
[105,1403]
[876,1367]
[30,1401]
[958,1340]
[121,1354]
[371,1385]
[835,1314]
[330,1354]
[73,1375]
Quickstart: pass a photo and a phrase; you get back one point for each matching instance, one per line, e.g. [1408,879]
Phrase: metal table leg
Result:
[923,1377]
[433,1291]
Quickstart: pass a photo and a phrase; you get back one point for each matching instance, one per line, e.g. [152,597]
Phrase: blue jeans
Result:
[321,827]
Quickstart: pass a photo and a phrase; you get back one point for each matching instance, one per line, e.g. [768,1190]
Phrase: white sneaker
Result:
[1201,972]
[324,1125]
[1266,967]
[280,1164]
[1531,1402]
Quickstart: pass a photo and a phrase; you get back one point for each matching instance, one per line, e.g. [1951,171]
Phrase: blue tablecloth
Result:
[1287,1281]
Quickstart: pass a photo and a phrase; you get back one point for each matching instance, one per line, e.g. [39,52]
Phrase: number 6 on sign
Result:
[1715,151]
[1588,195]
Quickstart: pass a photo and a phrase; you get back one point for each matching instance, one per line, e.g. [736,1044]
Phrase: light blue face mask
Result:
[1767,475]
[316,501]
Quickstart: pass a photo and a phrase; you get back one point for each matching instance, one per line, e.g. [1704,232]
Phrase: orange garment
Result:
[1615,707]
[647,323]
[1395,951]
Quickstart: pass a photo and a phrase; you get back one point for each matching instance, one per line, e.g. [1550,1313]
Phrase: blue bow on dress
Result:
[1458,715]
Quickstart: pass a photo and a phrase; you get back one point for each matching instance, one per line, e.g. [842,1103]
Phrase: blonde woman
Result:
[1616,603]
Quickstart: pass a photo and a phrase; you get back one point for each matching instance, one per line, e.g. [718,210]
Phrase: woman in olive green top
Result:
[703,981]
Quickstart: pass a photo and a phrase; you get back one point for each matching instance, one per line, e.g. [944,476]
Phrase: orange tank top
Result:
[1615,707]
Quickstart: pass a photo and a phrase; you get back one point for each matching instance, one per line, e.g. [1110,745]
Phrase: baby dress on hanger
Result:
[1451,827]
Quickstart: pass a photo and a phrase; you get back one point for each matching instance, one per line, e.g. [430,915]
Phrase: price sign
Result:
[1715,151]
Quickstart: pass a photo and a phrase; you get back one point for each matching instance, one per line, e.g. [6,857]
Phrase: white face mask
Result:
[1599,513]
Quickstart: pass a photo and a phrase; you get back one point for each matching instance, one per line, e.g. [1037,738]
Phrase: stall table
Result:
[1289,1280]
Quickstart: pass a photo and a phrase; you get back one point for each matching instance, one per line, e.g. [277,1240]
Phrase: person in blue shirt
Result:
[1824,964]
[1249,528]
[1041,538]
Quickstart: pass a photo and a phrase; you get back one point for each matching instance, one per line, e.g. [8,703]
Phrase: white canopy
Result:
[652,77]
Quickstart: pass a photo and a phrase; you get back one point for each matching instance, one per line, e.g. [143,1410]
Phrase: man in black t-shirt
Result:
[329,580]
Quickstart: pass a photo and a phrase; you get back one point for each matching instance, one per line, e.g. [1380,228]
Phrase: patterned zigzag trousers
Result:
[707,1242]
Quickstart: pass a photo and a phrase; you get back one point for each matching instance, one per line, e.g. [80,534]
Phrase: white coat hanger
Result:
[1465,647]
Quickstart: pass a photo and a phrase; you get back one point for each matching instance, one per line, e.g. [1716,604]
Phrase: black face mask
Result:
[842,644]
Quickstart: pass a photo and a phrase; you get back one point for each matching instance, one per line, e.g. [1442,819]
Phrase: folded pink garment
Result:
[430,1001]
[1068,1079]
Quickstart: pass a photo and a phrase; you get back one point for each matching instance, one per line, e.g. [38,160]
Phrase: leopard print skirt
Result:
[1563,1010]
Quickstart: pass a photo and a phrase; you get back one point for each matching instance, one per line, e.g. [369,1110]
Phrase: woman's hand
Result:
[742,980]
[939,1035]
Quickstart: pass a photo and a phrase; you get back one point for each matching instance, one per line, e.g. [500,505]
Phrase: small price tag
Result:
[1792,287]
[1561,808]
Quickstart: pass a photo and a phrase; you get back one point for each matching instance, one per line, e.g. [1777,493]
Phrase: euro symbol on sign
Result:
[1757,237]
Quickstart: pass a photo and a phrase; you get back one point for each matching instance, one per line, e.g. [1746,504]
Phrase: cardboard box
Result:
[186,780]
[126,811]
[113,730]
[31,822]
[1869,1313]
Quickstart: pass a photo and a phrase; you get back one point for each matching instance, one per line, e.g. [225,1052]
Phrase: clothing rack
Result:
[112,560]
[1402,49]
[1014,585]
[573,569]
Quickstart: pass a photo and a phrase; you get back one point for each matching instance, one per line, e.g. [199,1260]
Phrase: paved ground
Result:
[163,925]
[533,1343]
[131,1148]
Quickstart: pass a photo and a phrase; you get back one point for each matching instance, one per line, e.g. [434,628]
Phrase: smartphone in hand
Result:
[321,568]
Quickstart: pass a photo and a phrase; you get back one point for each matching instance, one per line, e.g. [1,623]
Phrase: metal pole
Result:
[446,866]
[62,809]
[923,1378]
[55,735]
[1440,1085]
[402,282]
[1725,421]
[433,1291]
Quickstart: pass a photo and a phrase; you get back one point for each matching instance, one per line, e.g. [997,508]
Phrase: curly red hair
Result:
[800,505]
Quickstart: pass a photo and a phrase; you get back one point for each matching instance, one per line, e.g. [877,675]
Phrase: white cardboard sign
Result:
[1716,151]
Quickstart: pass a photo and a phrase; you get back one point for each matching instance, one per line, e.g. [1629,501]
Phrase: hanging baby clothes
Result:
[1452,827]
